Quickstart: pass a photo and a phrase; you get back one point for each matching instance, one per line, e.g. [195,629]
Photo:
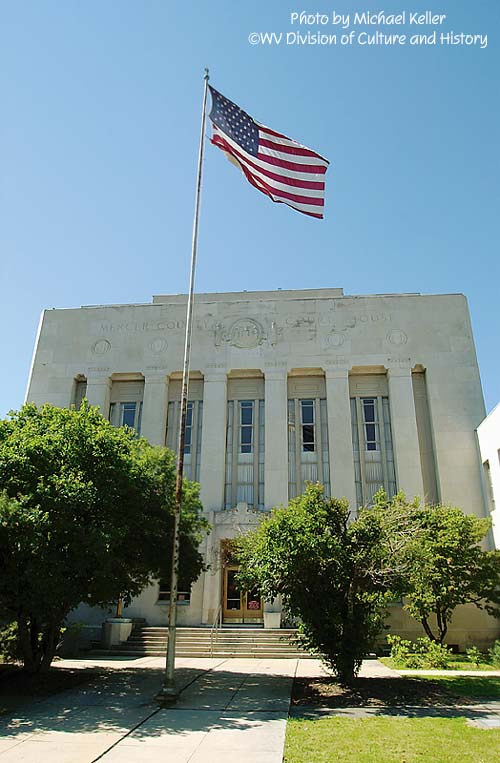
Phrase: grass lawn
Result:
[468,686]
[457,662]
[389,740]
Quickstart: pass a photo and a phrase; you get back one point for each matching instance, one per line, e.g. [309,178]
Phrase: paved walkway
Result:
[229,710]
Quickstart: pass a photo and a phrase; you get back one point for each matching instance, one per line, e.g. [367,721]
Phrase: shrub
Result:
[474,655]
[424,653]
[9,645]
[400,648]
[494,653]
[434,655]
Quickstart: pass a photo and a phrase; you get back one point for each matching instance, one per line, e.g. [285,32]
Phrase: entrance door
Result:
[239,606]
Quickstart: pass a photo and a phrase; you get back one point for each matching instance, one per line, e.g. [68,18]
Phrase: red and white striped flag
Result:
[281,168]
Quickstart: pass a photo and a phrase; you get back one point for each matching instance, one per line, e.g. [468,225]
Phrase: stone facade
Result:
[286,386]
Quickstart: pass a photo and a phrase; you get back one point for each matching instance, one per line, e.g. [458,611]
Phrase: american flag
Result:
[281,168]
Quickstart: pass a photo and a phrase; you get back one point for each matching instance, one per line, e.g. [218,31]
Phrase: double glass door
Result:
[239,606]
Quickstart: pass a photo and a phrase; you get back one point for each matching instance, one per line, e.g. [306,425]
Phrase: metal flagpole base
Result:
[167,695]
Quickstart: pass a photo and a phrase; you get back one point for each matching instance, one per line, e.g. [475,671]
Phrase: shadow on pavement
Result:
[117,703]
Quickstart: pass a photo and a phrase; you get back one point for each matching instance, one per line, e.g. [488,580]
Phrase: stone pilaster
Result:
[342,478]
[213,439]
[276,439]
[404,432]
[154,408]
[98,391]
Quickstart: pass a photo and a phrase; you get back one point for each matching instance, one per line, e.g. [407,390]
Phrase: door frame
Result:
[243,615]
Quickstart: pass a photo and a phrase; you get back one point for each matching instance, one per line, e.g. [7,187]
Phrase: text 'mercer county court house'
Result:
[285,387]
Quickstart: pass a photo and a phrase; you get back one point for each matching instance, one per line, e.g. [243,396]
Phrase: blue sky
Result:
[98,146]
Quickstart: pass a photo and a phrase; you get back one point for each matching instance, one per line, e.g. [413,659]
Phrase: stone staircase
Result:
[196,642]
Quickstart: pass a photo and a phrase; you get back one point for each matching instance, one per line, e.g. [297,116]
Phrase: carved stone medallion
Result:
[246,334]
[101,347]
[397,337]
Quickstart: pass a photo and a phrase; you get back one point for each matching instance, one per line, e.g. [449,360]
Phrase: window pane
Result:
[308,437]
[246,426]
[307,407]
[370,432]
[246,412]
[246,435]
[128,414]
[233,596]
[369,410]
[188,431]
[183,591]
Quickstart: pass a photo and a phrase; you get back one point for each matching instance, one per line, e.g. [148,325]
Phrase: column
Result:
[276,439]
[213,441]
[98,391]
[154,408]
[342,479]
[212,585]
[404,432]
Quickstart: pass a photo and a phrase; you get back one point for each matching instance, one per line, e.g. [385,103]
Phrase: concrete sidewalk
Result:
[228,710]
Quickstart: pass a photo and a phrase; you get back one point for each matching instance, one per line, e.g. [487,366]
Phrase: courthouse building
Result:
[285,387]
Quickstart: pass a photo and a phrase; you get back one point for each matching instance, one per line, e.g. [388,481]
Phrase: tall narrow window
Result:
[308,452]
[244,481]
[307,424]
[188,431]
[194,420]
[79,392]
[372,445]
[125,408]
[126,415]
[246,425]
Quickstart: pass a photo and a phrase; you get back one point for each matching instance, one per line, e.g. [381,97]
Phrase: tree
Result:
[435,553]
[322,566]
[86,515]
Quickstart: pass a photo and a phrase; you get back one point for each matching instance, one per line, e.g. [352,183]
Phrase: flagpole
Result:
[169,691]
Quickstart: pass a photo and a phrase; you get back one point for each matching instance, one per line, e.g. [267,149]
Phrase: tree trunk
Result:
[28,644]
[50,640]
[427,629]
[37,653]
[442,625]
[345,669]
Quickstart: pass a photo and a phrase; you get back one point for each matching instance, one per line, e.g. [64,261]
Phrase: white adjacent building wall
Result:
[488,434]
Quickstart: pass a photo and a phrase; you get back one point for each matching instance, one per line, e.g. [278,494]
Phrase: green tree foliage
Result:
[322,566]
[435,559]
[86,515]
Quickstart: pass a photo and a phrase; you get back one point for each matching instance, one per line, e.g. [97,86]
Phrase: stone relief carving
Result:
[158,345]
[101,347]
[246,334]
[334,340]
[239,518]
[397,337]
[219,337]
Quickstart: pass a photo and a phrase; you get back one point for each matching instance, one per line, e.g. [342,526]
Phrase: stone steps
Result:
[196,642]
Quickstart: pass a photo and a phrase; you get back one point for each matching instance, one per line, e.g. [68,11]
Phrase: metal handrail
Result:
[214,632]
